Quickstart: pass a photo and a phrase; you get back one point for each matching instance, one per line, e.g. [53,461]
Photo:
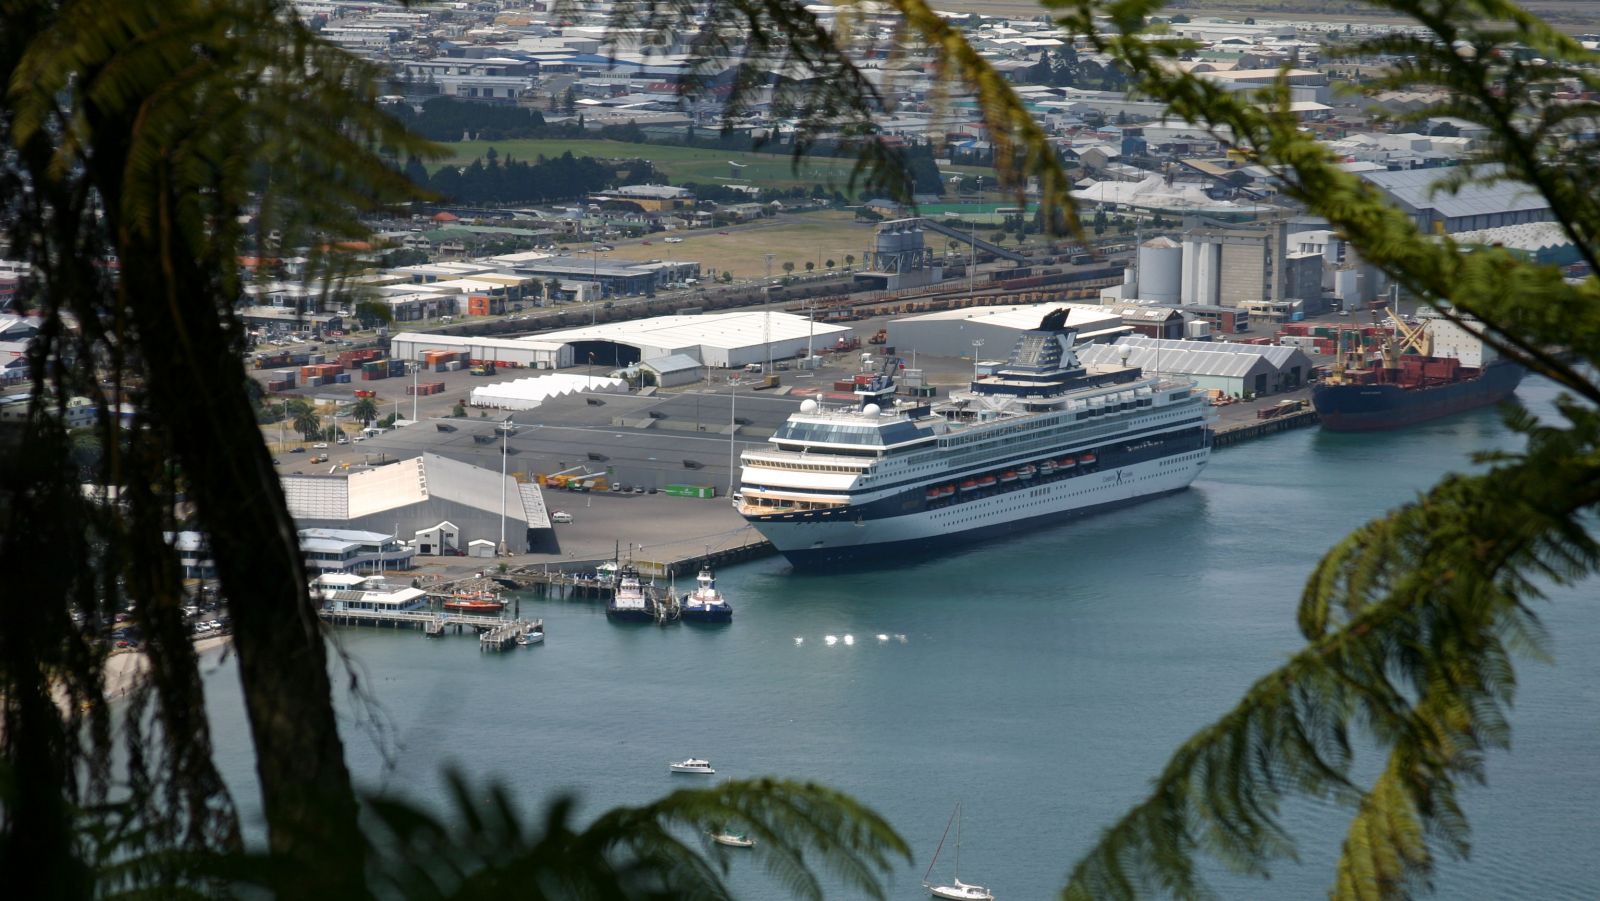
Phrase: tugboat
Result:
[629,603]
[706,604]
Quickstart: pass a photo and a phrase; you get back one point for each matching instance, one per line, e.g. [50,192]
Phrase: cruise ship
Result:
[1036,440]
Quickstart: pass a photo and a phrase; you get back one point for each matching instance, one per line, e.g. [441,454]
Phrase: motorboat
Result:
[533,637]
[693,765]
[733,839]
[955,890]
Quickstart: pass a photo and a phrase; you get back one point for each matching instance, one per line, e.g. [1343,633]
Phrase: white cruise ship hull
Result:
[842,539]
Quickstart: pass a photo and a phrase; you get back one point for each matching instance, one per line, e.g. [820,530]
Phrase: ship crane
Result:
[1417,338]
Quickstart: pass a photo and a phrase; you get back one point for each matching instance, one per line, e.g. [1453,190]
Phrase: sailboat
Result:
[956,890]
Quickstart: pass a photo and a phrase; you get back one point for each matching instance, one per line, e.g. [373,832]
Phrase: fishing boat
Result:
[629,603]
[956,890]
[733,839]
[693,765]
[705,604]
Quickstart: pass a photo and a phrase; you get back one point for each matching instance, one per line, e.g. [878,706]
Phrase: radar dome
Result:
[808,406]
[872,409]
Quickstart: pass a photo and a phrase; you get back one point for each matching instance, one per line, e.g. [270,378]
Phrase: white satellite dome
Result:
[808,406]
[872,409]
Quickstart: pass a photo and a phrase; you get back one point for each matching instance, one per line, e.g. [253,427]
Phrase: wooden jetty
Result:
[434,624]
[507,634]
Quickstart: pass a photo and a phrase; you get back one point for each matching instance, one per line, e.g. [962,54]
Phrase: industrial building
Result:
[1249,267]
[954,333]
[528,353]
[725,340]
[1238,370]
[672,370]
[436,504]
[1468,207]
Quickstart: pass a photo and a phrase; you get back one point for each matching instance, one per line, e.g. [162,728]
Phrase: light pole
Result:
[505,440]
[977,345]
[414,368]
[733,429]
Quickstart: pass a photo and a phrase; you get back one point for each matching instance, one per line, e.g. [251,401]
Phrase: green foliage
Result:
[447,119]
[489,181]
[1412,623]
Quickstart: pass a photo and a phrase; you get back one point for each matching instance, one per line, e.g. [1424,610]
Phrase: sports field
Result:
[814,237]
[681,164]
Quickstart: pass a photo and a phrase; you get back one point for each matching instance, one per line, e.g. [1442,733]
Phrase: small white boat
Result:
[733,839]
[956,890]
[531,638]
[692,765]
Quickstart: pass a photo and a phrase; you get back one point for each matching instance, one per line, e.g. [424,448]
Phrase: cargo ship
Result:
[1039,439]
[1433,369]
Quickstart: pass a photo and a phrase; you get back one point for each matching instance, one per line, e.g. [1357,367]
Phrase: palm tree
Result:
[308,423]
[365,409]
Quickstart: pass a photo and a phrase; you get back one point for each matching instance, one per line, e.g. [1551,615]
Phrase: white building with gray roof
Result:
[1235,369]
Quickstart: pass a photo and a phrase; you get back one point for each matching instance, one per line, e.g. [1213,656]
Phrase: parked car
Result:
[561,516]
[297,450]
[320,445]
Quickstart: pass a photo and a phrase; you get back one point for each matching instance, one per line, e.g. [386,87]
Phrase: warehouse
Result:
[526,353]
[438,505]
[672,370]
[1237,370]
[952,333]
[726,340]
[528,393]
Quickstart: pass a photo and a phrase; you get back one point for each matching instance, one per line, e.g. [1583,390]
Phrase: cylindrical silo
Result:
[1160,270]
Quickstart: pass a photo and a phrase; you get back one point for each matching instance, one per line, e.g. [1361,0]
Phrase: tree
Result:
[788,267]
[569,101]
[849,260]
[1414,621]
[830,264]
[365,410]
[810,265]
[308,423]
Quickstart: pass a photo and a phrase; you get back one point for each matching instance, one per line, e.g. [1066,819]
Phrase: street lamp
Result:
[733,429]
[977,345]
[505,441]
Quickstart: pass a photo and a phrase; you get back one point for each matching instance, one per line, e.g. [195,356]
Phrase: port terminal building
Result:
[436,505]
[1236,370]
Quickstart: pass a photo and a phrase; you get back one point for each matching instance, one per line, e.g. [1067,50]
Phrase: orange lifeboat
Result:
[1067,462]
[1009,475]
[933,493]
[1087,459]
[969,485]
[987,481]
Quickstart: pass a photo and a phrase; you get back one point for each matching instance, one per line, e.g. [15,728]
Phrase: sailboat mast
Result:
[958,844]
[941,844]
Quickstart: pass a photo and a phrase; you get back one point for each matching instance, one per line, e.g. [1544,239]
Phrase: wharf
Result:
[1229,434]
[433,624]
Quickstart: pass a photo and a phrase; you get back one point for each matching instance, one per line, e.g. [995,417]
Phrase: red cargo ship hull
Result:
[1362,408]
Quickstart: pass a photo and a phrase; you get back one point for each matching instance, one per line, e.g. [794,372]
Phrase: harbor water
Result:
[1041,681]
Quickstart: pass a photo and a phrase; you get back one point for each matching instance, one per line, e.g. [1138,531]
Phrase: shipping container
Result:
[701,491]
[342,378]
[397,367]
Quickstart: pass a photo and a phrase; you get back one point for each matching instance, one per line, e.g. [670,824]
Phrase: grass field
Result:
[817,237]
[681,164]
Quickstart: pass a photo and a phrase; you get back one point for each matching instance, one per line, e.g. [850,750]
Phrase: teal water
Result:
[1042,682]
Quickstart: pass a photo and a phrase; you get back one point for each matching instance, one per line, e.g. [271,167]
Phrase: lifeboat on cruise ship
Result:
[987,481]
[947,491]
[1028,471]
[1087,459]
[1047,468]
[933,493]
[969,485]
[1067,462]
[1009,475]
